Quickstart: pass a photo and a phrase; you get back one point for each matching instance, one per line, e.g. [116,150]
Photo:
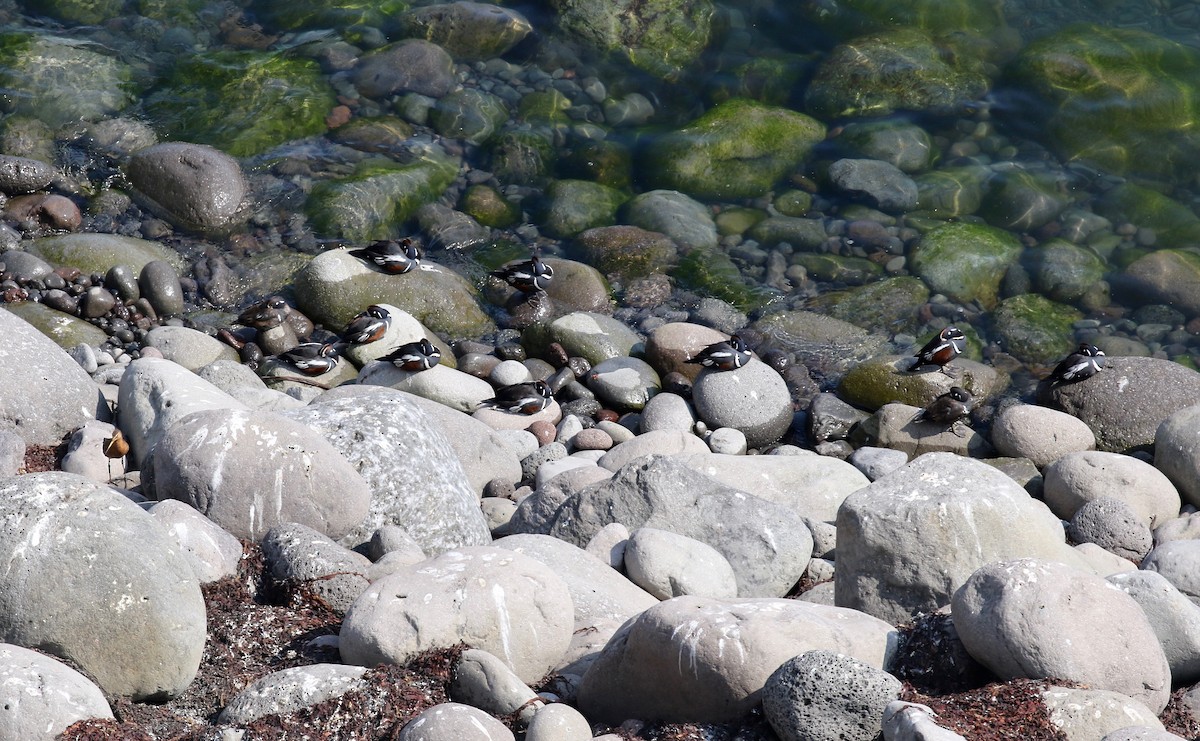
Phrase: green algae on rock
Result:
[851,271]
[67,331]
[469,31]
[952,191]
[489,207]
[889,305]
[96,253]
[708,270]
[291,15]
[242,102]
[1021,201]
[625,252]
[738,149]
[1064,271]
[523,155]
[965,261]
[60,81]
[883,380]
[572,206]
[83,12]
[662,37]
[1174,224]
[854,17]
[334,287]
[1121,99]
[468,114]
[1035,329]
[859,78]
[379,196]
[897,142]
[596,337]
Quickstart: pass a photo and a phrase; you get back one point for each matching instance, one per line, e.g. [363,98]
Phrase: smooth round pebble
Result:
[668,411]
[159,284]
[592,438]
[753,399]
[544,431]
[1041,434]
[558,722]
[452,721]
[667,565]
[876,463]
[728,441]
[509,373]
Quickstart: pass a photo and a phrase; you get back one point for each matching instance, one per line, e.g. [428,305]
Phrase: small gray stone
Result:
[393,539]
[623,383]
[159,284]
[875,463]
[483,681]
[910,721]
[727,441]
[411,65]
[668,565]
[558,722]
[686,221]
[1113,525]
[509,373]
[24,175]
[85,355]
[825,696]
[297,554]
[25,266]
[1184,527]
[830,418]
[194,186]
[753,399]
[531,463]
[877,183]
[609,543]
[451,721]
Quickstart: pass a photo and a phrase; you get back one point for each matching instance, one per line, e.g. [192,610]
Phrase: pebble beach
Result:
[460,372]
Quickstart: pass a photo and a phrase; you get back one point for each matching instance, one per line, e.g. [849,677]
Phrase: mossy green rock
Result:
[596,337]
[370,204]
[1022,201]
[96,253]
[469,114]
[83,12]
[965,261]
[625,252]
[572,206]
[66,330]
[385,134]
[242,102]
[770,77]
[952,192]
[1167,276]
[546,106]
[738,149]
[59,81]
[851,271]
[605,161]
[886,379]
[291,15]
[905,145]
[334,287]
[859,78]
[709,271]
[469,31]
[1121,99]
[523,155]
[662,37]
[1174,224]
[888,306]
[828,347]
[1064,271]
[1035,329]
[489,207]
[854,17]
[801,233]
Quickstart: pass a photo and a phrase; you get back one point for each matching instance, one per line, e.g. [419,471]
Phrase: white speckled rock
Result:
[249,471]
[114,593]
[699,660]
[1078,478]
[34,367]
[155,394]
[1086,714]
[296,554]
[1041,434]
[1177,452]
[41,697]
[451,721]
[290,690]
[1040,619]
[490,598]
[414,476]
[213,552]
[593,336]
[753,399]
[825,696]
[668,565]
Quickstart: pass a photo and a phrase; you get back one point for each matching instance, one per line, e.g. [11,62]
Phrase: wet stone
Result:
[159,284]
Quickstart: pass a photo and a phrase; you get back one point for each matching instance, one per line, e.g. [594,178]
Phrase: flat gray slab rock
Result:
[907,541]
[693,659]
[46,395]
[1040,619]
[414,475]
[767,544]
[250,471]
[94,578]
[490,598]
[290,690]
[42,697]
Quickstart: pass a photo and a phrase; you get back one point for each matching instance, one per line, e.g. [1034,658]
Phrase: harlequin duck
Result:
[415,356]
[394,258]
[530,276]
[946,346]
[523,398]
[1080,365]
[311,358]
[951,408]
[369,326]
[724,356]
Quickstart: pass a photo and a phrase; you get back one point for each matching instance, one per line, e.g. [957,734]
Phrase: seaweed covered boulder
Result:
[1121,99]
[242,102]
[738,149]
[58,80]
[965,261]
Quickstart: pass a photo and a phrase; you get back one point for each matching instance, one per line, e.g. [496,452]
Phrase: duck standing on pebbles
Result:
[369,326]
[415,356]
[946,346]
[1080,365]
[391,257]
[311,358]
[522,398]
[529,276]
[724,356]
[951,408]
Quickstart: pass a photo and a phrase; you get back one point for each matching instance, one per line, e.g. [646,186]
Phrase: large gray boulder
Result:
[41,697]
[46,395]
[191,185]
[1040,619]
[907,541]
[481,450]
[753,399]
[1125,404]
[249,471]
[92,578]
[156,393]
[1174,618]
[767,544]
[702,660]
[1177,452]
[414,475]
[1078,478]
[489,598]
